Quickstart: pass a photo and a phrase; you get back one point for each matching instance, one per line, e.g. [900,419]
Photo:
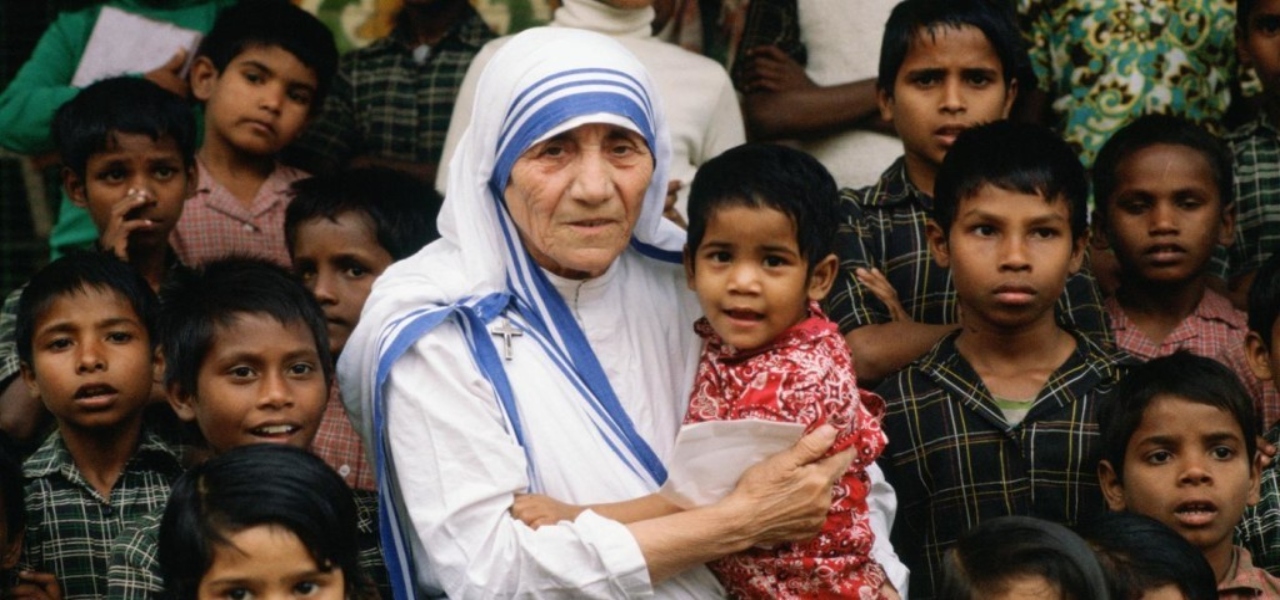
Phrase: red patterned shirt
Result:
[215,223]
[1214,330]
[804,376]
[339,446]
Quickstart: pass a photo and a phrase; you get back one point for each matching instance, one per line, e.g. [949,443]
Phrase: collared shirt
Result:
[955,461]
[1215,329]
[215,224]
[385,104]
[70,526]
[884,227]
[339,446]
[135,563]
[1104,63]
[1259,528]
[10,364]
[1245,581]
[1256,146]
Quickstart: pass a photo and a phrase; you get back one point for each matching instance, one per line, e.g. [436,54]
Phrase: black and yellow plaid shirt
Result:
[955,461]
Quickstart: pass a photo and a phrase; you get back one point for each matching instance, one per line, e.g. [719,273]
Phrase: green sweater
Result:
[42,84]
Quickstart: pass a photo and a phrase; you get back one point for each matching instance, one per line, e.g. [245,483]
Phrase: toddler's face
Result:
[338,260]
[268,561]
[750,276]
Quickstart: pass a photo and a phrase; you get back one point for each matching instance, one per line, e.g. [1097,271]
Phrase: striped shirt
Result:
[339,446]
[70,526]
[955,461]
[883,227]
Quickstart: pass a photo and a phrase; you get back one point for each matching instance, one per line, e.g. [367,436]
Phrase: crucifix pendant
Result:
[507,332]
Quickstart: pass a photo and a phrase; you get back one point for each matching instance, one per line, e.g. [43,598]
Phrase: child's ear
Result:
[938,243]
[1010,96]
[1077,252]
[157,367]
[192,175]
[823,277]
[1258,356]
[1255,476]
[1098,232]
[183,402]
[1227,233]
[885,101]
[29,378]
[1112,488]
[73,185]
[688,266]
[203,78]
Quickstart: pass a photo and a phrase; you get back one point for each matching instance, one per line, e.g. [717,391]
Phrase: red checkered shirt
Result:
[339,446]
[215,223]
[1215,330]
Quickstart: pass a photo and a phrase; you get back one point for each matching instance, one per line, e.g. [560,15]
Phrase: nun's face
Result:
[576,197]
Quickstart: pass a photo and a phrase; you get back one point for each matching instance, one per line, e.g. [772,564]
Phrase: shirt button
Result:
[344,470]
[248,227]
[108,511]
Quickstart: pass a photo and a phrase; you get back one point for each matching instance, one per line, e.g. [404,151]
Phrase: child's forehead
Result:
[744,219]
[84,301]
[994,200]
[944,38]
[1214,419]
[278,59]
[351,220]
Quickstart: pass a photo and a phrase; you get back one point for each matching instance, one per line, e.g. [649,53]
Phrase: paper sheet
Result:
[123,42]
[710,457]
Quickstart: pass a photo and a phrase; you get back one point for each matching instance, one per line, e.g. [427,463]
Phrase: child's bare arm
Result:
[537,510]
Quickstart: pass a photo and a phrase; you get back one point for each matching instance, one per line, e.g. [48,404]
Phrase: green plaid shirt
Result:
[883,227]
[1256,146]
[955,461]
[135,565]
[9,363]
[70,526]
[1259,529]
[384,104]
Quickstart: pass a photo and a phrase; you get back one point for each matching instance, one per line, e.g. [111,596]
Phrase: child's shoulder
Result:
[891,191]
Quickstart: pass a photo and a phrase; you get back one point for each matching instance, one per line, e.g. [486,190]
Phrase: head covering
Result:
[541,82]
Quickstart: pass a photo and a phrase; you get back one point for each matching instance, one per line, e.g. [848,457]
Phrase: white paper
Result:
[710,457]
[123,42]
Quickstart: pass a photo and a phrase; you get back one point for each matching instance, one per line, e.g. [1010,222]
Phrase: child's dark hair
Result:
[986,558]
[913,19]
[257,23]
[1264,299]
[87,124]
[11,493]
[1152,130]
[1182,375]
[249,486]
[1017,157]
[402,208]
[769,176]
[77,273]
[1140,554]
[196,303]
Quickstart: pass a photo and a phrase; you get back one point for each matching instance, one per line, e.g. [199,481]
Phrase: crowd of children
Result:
[172,427]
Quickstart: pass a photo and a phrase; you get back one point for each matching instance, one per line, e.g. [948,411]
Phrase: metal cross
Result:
[507,332]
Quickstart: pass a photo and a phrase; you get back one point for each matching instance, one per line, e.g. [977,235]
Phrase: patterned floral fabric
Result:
[1105,62]
[804,376]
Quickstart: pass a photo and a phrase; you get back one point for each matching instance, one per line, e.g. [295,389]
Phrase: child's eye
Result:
[926,79]
[306,588]
[61,343]
[164,173]
[1267,24]
[774,261]
[719,256]
[253,76]
[355,271]
[1223,452]
[300,97]
[1190,202]
[112,175]
[238,594]
[1044,233]
[301,369]
[978,79]
[1159,457]
[984,230]
[241,372]
[1133,206]
[119,337]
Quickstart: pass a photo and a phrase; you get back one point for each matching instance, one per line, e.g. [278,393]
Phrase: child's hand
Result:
[887,592]
[36,586]
[878,284]
[169,75]
[537,510]
[669,208]
[124,221]
[1266,452]
[772,70]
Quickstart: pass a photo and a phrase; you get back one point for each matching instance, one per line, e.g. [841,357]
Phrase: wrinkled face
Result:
[338,260]
[268,562]
[750,276]
[1010,255]
[136,181]
[1187,466]
[92,363]
[259,103]
[1166,217]
[948,82]
[261,381]
[577,196]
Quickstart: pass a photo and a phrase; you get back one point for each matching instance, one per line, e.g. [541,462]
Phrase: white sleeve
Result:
[458,470]
[725,129]
[882,503]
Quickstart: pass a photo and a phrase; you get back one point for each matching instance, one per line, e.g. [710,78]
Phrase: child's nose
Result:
[91,357]
[275,392]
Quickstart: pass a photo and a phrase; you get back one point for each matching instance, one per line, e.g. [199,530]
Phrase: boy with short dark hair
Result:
[1179,445]
[84,332]
[246,361]
[260,72]
[1259,530]
[945,66]
[998,418]
[1256,146]
[1163,191]
[343,229]
[128,151]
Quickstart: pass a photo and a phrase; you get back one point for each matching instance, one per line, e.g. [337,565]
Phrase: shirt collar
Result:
[894,188]
[53,456]
[470,30]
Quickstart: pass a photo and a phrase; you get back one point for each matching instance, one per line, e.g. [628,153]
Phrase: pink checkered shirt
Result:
[1248,581]
[215,223]
[339,446]
[1215,330]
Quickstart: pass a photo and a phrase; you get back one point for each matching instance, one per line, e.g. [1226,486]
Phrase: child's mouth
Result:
[743,314]
[275,431]
[1195,514]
